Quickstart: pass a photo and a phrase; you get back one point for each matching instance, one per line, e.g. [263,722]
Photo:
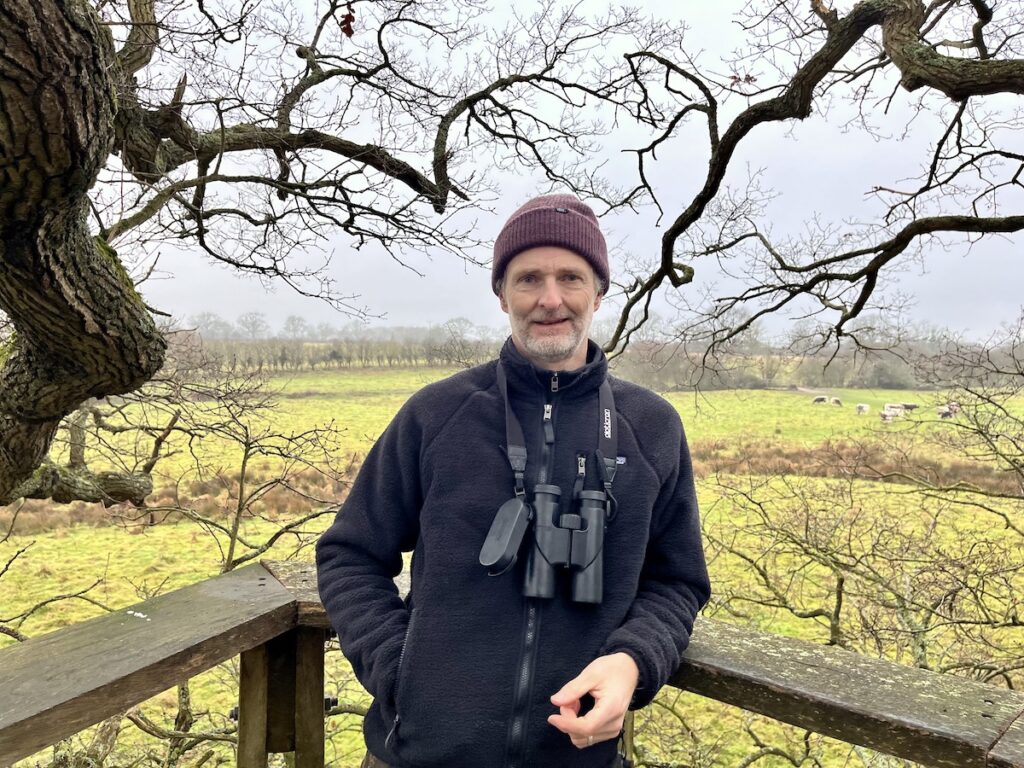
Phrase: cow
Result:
[862,408]
[819,399]
[894,409]
[836,401]
[943,412]
[886,416]
[909,406]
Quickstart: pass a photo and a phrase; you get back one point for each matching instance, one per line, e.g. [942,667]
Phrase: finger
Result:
[602,719]
[566,721]
[571,691]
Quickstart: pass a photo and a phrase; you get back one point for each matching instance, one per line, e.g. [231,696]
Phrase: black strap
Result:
[608,439]
[608,450]
[514,440]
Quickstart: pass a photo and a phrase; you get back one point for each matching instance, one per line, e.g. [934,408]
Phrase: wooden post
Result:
[281,700]
[628,741]
[309,698]
[252,708]
[281,693]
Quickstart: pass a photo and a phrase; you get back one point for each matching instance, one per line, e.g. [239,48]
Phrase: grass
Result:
[729,428]
[788,416]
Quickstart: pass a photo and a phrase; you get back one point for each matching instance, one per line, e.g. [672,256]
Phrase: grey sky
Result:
[815,167]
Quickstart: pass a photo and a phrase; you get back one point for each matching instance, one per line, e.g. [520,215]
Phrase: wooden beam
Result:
[309,698]
[281,700]
[53,686]
[1008,751]
[300,579]
[253,690]
[937,720]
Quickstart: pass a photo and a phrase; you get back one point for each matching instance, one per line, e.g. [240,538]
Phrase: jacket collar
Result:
[525,378]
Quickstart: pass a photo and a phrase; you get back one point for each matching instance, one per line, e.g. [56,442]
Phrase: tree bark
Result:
[922,66]
[81,329]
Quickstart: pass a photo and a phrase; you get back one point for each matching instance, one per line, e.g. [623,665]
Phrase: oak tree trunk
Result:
[81,329]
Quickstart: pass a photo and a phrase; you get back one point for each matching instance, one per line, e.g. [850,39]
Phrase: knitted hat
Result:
[560,220]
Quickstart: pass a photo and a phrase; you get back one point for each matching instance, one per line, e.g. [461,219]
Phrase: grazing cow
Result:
[836,401]
[862,408]
[819,399]
[953,406]
[944,412]
[886,416]
[909,406]
[894,409]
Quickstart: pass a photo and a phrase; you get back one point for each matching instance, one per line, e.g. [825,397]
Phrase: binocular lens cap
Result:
[506,534]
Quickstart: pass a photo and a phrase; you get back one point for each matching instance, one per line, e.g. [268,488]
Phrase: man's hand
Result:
[611,680]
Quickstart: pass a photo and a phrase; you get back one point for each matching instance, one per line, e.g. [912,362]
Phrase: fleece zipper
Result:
[516,746]
[392,736]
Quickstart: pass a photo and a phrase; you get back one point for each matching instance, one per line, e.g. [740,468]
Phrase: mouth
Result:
[552,326]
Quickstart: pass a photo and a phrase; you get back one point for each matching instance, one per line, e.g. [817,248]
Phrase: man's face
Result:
[550,295]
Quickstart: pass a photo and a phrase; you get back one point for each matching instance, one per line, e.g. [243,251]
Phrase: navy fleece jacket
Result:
[456,677]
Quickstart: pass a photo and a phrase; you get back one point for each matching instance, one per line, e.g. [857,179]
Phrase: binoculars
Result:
[574,541]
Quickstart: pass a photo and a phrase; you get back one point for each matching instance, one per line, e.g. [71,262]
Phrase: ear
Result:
[502,302]
[597,301]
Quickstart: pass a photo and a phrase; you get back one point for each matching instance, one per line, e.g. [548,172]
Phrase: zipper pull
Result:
[581,475]
[554,381]
[547,411]
[549,427]
[389,740]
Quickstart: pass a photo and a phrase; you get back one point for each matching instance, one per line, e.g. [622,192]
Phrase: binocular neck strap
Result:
[608,439]
[514,441]
[608,436]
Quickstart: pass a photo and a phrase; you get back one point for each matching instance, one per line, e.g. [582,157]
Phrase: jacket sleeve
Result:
[360,554]
[673,585]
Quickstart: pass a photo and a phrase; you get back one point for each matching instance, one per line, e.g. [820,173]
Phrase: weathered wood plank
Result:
[54,686]
[309,698]
[253,690]
[300,579]
[938,720]
[1008,752]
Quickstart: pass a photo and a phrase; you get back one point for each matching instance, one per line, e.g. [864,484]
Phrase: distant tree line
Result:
[655,358]
[250,344]
[665,369]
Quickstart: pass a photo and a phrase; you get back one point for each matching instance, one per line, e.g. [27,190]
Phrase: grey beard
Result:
[553,349]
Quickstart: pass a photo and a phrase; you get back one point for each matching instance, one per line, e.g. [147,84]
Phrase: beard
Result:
[550,347]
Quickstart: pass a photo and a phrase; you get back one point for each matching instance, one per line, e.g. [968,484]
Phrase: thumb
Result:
[571,691]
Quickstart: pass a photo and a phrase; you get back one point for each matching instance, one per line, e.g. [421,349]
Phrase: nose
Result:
[551,296]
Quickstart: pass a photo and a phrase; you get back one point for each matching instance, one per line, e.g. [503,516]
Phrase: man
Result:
[535,661]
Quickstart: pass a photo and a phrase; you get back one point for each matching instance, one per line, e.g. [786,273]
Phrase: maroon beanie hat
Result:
[560,220]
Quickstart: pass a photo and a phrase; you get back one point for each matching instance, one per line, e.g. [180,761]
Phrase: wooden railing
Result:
[56,685]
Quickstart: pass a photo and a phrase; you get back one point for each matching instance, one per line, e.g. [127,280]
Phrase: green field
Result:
[859,525]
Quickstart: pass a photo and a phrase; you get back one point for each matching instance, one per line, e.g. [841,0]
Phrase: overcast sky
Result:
[815,167]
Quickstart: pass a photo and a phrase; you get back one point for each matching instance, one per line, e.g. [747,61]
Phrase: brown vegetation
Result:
[208,497]
[845,459]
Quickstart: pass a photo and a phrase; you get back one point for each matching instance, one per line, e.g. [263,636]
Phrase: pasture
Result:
[777,543]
